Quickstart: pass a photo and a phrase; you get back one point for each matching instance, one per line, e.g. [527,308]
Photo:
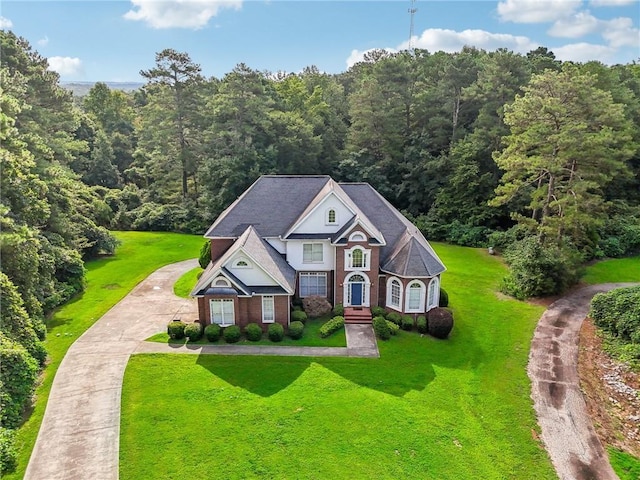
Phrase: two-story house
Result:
[297,236]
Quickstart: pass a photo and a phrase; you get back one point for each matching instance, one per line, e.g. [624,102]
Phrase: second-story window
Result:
[357,258]
[331,217]
[312,253]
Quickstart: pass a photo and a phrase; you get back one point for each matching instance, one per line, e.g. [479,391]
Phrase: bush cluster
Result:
[618,313]
[421,324]
[393,328]
[298,316]
[295,330]
[253,332]
[232,334]
[212,332]
[193,331]
[439,322]
[394,317]
[8,452]
[406,323]
[338,310]
[381,328]
[331,326]
[377,311]
[275,332]
[175,329]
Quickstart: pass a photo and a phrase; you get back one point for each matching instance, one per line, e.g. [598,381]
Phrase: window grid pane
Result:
[395,293]
[268,314]
[313,284]
[222,312]
[415,290]
[312,253]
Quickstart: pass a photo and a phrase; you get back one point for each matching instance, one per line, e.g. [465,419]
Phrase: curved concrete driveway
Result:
[80,432]
[567,432]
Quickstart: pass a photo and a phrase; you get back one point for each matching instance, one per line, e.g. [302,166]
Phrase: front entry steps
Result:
[357,315]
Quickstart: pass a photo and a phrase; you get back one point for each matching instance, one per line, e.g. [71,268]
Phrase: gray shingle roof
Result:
[271,205]
[406,250]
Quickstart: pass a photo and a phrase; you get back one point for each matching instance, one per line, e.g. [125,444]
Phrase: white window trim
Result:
[241,259]
[313,274]
[357,233]
[423,291]
[223,302]
[312,247]
[327,220]
[273,309]
[366,287]
[366,256]
[220,279]
[400,297]
[435,301]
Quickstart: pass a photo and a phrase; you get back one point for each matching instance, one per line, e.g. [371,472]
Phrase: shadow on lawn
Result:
[406,364]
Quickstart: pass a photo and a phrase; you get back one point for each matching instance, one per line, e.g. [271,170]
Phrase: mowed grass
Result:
[427,409]
[614,270]
[182,288]
[626,466]
[108,280]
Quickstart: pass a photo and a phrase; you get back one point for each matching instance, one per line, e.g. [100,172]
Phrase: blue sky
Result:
[95,40]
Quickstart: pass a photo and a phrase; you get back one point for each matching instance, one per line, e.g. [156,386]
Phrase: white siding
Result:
[294,256]
[253,275]
[316,221]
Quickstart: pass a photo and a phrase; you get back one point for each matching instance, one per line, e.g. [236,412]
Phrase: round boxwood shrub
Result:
[253,332]
[193,331]
[175,329]
[296,329]
[407,323]
[439,322]
[421,324]
[338,310]
[231,334]
[377,311]
[394,317]
[444,298]
[393,328]
[298,316]
[381,328]
[212,332]
[275,332]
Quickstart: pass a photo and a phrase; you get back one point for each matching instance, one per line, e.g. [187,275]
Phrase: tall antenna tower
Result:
[412,12]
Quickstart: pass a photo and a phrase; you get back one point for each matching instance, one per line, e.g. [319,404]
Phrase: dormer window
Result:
[332,217]
[357,258]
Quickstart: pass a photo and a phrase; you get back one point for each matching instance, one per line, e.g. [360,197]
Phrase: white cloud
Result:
[611,3]
[536,11]
[584,52]
[43,42]
[575,26]
[178,13]
[5,22]
[66,66]
[620,32]
[437,39]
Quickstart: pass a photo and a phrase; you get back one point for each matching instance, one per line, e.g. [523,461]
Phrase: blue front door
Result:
[356,294]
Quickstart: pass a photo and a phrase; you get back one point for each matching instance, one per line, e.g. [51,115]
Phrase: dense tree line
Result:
[525,153]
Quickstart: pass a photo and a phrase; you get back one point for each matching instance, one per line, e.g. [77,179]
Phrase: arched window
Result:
[357,290]
[221,282]
[241,263]
[332,217]
[357,237]
[394,293]
[357,258]
[415,297]
[433,297]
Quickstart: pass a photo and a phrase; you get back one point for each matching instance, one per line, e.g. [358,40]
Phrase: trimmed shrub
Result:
[8,453]
[381,328]
[299,316]
[253,332]
[618,312]
[232,334]
[439,322]
[212,332]
[338,310]
[275,332]
[193,331]
[421,324]
[18,377]
[444,298]
[296,308]
[394,317]
[205,254]
[332,326]
[377,311]
[316,306]
[407,323]
[295,330]
[175,329]
[393,328]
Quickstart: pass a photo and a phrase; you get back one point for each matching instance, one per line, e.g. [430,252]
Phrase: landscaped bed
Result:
[427,409]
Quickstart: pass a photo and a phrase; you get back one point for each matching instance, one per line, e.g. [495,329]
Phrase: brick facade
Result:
[372,273]
[247,310]
[219,246]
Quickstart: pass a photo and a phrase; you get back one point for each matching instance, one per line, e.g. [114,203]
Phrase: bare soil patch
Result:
[611,392]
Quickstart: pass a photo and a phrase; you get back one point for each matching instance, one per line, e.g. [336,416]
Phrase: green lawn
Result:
[626,466]
[614,270]
[108,280]
[427,409]
[184,285]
